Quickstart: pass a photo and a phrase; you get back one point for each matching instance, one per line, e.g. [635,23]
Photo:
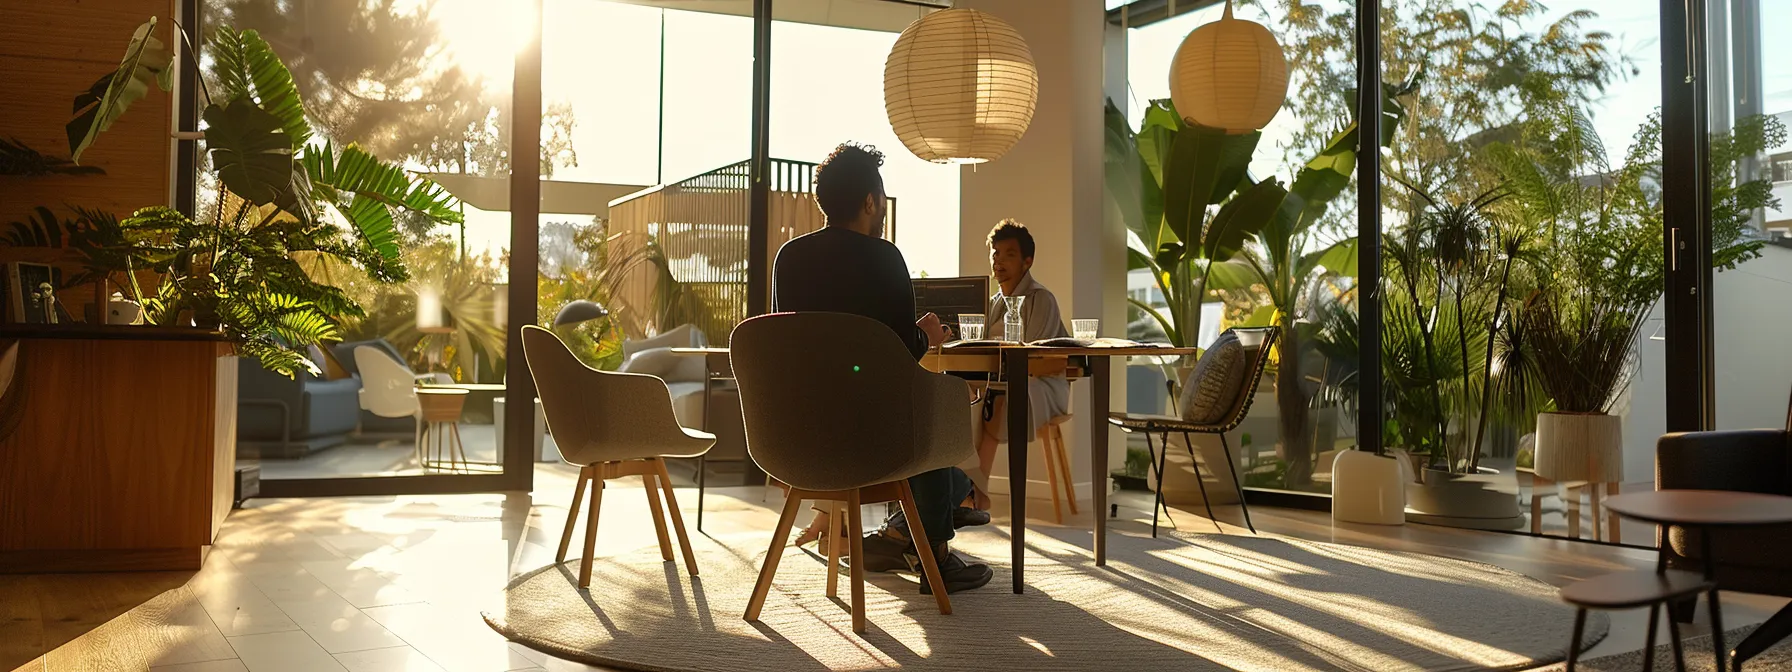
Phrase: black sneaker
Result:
[957,574]
[887,550]
[965,516]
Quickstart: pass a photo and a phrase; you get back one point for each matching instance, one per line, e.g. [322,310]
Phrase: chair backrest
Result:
[1259,359]
[345,353]
[388,389]
[829,400]
[598,416]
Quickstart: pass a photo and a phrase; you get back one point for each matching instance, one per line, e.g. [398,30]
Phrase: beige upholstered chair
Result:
[836,407]
[612,425]
[1222,397]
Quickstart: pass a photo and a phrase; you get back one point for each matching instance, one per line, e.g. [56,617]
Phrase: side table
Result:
[441,429]
[1710,511]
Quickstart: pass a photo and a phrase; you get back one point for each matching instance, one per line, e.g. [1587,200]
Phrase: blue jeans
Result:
[937,494]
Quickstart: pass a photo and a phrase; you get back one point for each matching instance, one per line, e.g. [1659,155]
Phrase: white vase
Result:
[1368,488]
[1580,447]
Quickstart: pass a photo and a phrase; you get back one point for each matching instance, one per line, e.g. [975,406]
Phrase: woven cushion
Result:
[1213,389]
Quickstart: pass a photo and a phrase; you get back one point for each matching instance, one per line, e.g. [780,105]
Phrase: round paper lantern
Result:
[1229,74]
[960,86]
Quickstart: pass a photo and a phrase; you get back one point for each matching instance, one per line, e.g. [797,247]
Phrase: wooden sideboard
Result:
[125,457]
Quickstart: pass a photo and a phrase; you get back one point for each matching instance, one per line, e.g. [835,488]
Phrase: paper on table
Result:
[1095,343]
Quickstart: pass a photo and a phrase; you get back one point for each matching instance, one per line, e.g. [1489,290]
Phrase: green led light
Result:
[855,368]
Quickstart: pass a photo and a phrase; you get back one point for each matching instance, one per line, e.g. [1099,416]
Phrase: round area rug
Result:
[1697,652]
[1194,602]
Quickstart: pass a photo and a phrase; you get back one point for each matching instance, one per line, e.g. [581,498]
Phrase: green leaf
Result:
[1340,258]
[374,222]
[252,154]
[1168,255]
[1204,167]
[1157,134]
[363,174]
[247,67]
[1244,215]
[146,61]
[1233,274]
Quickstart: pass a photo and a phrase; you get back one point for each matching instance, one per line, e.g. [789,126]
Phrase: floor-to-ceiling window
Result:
[428,86]
[1294,273]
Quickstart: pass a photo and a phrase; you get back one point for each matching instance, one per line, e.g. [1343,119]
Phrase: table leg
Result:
[1014,362]
[1717,613]
[709,386]
[1776,628]
[1098,452]
[1649,639]
[1580,623]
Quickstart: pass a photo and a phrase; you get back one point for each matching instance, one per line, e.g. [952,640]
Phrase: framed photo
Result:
[31,292]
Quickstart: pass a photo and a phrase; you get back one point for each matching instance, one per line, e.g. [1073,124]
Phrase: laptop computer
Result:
[950,297]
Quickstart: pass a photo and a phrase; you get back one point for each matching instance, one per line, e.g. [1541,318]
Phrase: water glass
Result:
[1085,330]
[1013,330]
[970,327]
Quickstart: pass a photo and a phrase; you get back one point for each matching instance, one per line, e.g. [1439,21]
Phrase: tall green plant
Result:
[1178,236]
[282,199]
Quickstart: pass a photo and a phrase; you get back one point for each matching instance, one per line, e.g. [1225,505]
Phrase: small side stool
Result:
[1628,590]
[441,429]
[1057,465]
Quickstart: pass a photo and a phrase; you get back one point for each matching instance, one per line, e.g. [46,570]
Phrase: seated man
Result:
[1011,263]
[847,267]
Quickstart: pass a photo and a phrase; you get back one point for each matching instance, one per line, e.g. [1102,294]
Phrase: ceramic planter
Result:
[1368,488]
[1580,447]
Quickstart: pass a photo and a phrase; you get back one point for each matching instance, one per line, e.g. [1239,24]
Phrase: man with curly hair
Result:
[847,267]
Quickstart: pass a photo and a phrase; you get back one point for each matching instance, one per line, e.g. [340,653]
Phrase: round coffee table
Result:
[1710,511]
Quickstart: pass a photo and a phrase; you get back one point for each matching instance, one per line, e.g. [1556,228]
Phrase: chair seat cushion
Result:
[1213,388]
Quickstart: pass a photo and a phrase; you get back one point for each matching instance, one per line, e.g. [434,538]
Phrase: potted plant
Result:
[283,200]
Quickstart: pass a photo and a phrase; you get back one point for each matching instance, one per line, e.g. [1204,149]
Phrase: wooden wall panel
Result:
[116,450]
[51,50]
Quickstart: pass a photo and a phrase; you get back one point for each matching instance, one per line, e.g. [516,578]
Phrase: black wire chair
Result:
[1164,424]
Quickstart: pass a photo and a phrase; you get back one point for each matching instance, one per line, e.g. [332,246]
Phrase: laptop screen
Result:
[951,297]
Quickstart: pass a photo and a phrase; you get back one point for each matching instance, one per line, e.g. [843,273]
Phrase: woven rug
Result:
[1697,652]
[1194,602]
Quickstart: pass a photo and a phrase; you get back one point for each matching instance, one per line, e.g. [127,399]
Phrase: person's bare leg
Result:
[817,525]
[986,453]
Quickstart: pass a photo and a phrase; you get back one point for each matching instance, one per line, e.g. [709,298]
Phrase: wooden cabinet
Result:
[124,460]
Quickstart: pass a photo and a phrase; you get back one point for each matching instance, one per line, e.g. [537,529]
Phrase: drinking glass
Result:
[1085,330]
[970,327]
[1013,330]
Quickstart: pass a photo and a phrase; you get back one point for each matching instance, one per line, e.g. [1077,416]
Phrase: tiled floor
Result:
[397,583]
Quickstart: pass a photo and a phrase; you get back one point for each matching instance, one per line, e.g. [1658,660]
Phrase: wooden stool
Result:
[1571,506]
[1057,461]
[441,429]
[1628,590]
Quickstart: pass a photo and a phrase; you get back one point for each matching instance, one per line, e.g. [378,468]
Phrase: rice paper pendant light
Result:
[960,86]
[1229,74]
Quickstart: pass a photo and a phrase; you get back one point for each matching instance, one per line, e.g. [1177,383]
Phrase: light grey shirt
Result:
[1047,396]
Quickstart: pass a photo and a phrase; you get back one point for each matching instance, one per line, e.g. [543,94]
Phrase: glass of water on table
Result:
[970,327]
[1085,330]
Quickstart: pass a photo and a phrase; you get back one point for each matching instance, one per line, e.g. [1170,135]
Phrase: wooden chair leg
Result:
[1571,498]
[684,540]
[1538,483]
[1611,517]
[572,514]
[1064,459]
[1051,471]
[769,569]
[930,568]
[835,543]
[649,486]
[857,533]
[597,500]
[1593,504]
[460,449]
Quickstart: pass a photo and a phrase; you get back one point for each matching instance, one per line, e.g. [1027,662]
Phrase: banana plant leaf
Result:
[251,152]
[247,67]
[146,62]
[1206,165]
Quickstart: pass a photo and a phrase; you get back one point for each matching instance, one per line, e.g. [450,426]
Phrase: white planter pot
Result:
[1368,488]
[1580,447]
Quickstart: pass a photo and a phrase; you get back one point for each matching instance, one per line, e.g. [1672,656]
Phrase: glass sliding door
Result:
[1521,258]
[409,399]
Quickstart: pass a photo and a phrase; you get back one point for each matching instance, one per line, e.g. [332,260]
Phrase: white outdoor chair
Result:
[389,390]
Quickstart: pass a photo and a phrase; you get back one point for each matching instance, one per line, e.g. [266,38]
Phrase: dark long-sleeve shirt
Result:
[840,271]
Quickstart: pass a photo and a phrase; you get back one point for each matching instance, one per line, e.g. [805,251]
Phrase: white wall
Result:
[1052,182]
[1753,353]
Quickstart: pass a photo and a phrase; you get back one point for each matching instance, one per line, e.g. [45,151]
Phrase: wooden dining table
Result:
[994,362]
